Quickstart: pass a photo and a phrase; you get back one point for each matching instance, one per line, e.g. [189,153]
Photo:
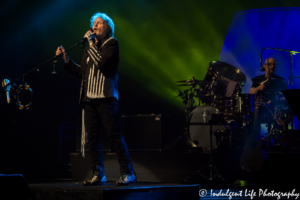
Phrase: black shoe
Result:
[96,180]
[126,179]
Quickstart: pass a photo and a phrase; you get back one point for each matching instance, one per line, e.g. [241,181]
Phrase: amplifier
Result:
[142,132]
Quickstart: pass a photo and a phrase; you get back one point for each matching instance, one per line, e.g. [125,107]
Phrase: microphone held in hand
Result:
[84,39]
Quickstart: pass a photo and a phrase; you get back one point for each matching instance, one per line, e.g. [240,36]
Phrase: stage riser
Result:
[167,167]
[133,194]
[148,166]
[62,194]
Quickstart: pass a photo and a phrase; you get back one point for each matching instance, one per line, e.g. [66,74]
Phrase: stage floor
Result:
[108,191]
[151,191]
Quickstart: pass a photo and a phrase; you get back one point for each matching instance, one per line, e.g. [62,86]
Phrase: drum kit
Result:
[218,94]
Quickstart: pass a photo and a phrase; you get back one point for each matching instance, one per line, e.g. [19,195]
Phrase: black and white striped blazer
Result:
[98,70]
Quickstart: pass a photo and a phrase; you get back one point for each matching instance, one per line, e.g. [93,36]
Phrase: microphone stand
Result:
[291,62]
[12,83]
[16,79]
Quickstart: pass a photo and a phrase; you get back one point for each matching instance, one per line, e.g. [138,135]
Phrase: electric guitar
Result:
[253,157]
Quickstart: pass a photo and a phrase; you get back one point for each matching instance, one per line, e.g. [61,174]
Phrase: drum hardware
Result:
[199,135]
[243,104]
[216,91]
[280,121]
[225,105]
[273,133]
[188,100]
[188,84]
[215,119]
[192,82]
[223,138]
[218,134]
[223,135]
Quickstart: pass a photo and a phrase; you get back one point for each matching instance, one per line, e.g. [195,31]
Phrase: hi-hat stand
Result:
[188,97]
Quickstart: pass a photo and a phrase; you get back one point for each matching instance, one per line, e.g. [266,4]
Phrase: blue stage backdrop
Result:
[252,30]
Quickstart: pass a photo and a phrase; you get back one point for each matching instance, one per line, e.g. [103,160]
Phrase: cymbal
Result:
[272,83]
[263,78]
[191,80]
[228,71]
[190,84]
[276,84]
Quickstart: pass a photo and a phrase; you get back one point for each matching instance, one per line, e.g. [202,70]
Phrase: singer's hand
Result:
[62,53]
[90,37]
[88,33]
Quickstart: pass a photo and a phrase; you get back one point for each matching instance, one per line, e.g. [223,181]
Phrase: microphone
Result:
[84,39]
[261,67]
[6,88]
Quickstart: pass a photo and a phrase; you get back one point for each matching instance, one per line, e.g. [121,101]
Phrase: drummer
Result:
[268,84]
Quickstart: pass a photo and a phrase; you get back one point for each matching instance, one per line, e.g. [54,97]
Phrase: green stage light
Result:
[165,48]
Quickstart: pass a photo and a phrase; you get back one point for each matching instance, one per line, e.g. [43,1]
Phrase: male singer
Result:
[99,96]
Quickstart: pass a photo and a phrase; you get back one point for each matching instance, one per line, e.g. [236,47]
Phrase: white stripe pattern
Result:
[95,58]
[95,87]
[94,52]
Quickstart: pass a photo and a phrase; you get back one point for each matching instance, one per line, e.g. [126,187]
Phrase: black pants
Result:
[107,111]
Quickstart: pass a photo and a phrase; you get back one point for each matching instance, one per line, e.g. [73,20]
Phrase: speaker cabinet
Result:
[14,186]
[142,132]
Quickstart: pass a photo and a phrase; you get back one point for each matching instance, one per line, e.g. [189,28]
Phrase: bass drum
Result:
[200,134]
